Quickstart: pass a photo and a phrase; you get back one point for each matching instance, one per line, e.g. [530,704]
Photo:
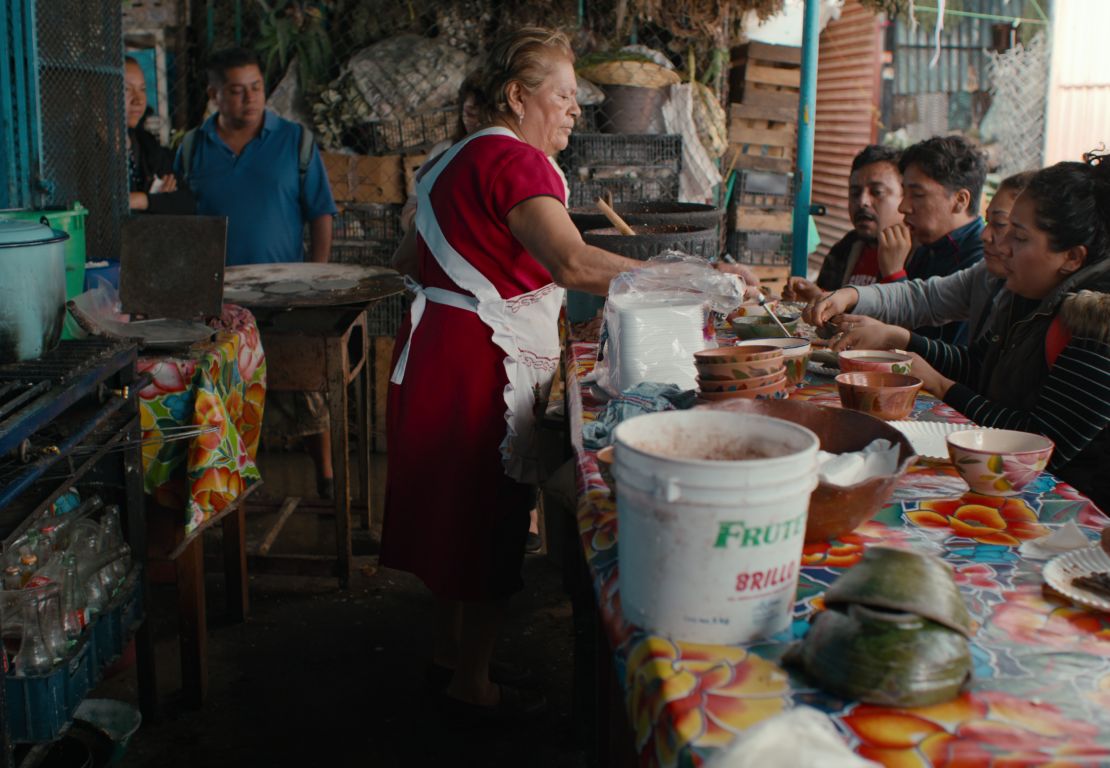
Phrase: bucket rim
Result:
[809,434]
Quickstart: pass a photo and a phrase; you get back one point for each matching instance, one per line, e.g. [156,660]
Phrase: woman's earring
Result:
[520,118]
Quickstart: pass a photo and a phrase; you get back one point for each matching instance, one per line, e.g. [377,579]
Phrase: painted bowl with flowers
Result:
[999,462]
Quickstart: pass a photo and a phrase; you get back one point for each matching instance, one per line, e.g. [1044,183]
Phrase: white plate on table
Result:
[929,438]
[1060,570]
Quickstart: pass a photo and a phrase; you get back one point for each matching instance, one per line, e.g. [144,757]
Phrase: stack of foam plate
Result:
[656,338]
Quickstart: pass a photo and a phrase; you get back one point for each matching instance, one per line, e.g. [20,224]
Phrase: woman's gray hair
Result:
[523,56]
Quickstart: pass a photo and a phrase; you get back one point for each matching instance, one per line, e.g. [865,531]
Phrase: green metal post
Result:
[807,113]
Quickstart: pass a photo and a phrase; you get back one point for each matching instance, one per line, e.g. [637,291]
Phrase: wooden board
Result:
[784,54]
[751,219]
[768,75]
[739,159]
[757,97]
[783,136]
[747,111]
[772,279]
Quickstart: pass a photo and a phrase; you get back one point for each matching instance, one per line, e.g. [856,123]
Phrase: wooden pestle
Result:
[614,218]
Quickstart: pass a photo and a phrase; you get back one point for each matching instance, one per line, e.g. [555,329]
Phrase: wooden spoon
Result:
[614,218]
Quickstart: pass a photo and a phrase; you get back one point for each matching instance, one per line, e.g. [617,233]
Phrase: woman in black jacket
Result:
[1044,365]
[149,165]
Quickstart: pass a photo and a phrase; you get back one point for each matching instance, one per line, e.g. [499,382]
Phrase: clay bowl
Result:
[776,390]
[749,353]
[854,360]
[893,579]
[888,396]
[762,326]
[836,510]
[735,385]
[999,462]
[795,353]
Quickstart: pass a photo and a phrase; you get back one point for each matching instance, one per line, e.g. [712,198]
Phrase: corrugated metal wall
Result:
[1079,96]
[847,112]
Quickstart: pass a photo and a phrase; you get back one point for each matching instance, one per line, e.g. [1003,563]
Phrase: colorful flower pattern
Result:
[1041,689]
[219,388]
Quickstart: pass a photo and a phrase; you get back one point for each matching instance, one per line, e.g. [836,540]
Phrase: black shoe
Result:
[533,544]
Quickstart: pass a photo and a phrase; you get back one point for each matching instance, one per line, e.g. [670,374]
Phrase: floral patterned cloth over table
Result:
[1040,694]
[219,386]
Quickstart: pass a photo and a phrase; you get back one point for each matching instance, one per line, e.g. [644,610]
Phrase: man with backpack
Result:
[265,175]
[259,170]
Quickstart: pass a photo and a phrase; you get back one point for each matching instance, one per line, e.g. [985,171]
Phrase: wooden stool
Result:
[170,545]
[320,349]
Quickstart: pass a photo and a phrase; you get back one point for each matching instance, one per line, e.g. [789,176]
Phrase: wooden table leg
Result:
[192,622]
[362,409]
[235,564]
[336,358]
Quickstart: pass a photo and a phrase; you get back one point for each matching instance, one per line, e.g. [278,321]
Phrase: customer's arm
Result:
[1073,406]
[319,239]
[917,303]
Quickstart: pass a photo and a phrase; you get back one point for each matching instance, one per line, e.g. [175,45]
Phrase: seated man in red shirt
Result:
[875,249]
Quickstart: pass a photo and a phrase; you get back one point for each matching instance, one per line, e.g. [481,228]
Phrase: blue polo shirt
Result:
[259,191]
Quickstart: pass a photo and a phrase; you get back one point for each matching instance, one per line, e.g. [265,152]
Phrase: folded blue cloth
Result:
[645,397]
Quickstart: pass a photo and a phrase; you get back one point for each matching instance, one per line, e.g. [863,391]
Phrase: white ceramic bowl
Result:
[999,462]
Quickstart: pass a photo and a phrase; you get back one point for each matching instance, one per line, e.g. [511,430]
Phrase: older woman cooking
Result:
[492,250]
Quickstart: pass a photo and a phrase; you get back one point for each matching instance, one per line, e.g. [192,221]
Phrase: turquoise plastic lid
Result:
[22,232]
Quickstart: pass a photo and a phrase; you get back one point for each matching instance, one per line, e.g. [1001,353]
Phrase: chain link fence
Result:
[80,70]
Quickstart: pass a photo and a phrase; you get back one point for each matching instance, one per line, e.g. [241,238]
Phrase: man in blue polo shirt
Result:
[245,164]
[250,165]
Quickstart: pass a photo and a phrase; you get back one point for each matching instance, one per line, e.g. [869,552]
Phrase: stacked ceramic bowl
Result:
[795,355]
[751,371]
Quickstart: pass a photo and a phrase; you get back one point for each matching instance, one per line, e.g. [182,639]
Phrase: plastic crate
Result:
[585,149]
[626,190]
[383,137]
[767,248]
[763,189]
[360,222]
[40,706]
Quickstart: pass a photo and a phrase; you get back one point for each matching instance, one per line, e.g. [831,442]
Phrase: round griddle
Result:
[308,284]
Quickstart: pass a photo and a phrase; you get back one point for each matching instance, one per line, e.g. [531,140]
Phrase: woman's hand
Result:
[169,183]
[895,245]
[800,289]
[138,201]
[824,308]
[862,332]
[933,381]
[745,273]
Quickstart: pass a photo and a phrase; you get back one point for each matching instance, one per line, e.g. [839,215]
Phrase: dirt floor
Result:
[317,676]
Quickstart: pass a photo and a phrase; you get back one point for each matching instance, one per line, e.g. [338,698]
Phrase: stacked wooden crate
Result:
[764,88]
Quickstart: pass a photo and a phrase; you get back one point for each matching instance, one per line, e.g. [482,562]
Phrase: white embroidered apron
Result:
[524,327]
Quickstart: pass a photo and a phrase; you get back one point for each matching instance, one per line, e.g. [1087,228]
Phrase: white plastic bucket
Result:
[710,547]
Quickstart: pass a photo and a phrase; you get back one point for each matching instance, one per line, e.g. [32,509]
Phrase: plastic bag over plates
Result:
[657,317]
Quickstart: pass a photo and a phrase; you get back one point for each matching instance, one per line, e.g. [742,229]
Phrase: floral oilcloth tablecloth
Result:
[1041,689]
[219,386]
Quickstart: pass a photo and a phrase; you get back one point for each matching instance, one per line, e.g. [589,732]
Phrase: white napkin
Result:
[800,738]
[879,458]
[1064,539]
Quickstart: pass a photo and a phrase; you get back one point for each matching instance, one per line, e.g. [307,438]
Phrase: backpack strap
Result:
[304,153]
[188,144]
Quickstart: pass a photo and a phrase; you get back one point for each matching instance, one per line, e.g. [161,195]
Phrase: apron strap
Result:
[416,312]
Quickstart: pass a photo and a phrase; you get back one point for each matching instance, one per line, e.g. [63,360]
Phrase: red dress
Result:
[452,516]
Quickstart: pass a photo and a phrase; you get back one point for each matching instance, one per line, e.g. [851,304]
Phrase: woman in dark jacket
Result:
[149,165]
[1044,366]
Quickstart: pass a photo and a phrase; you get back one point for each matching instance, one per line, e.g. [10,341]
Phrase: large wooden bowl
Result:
[836,510]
